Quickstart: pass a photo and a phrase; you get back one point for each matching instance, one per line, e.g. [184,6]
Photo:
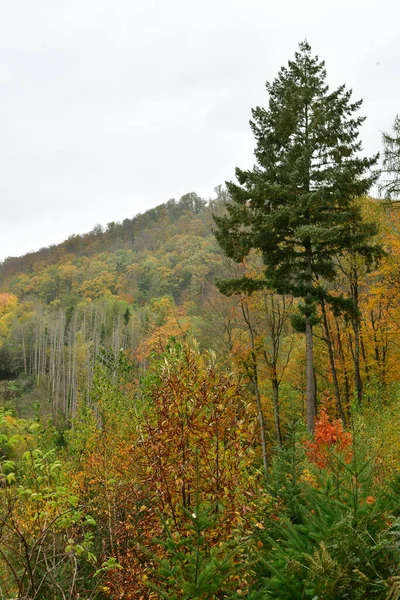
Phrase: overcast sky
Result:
[110,107]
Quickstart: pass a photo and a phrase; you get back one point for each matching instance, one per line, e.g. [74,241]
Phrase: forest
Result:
[203,401]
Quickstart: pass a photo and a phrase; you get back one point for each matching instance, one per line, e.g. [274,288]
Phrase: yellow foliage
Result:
[8,308]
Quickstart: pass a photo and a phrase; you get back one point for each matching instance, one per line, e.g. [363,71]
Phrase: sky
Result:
[111,107]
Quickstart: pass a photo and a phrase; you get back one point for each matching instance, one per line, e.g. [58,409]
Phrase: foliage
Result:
[194,568]
[329,537]
[329,434]
[149,455]
[390,187]
[297,205]
[140,473]
[46,537]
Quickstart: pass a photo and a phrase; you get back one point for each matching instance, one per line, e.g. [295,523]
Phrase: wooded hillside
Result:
[203,401]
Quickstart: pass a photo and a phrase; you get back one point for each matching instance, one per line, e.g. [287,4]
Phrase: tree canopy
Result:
[390,185]
[297,204]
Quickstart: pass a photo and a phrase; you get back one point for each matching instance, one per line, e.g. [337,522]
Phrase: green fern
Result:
[394,591]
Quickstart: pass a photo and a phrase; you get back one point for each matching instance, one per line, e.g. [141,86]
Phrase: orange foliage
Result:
[193,446]
[168,322]
[7,300]
[329,434]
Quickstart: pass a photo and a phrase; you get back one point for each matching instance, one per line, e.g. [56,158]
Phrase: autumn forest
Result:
[203,401]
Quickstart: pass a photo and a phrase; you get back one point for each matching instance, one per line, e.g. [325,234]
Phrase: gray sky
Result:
[110,107]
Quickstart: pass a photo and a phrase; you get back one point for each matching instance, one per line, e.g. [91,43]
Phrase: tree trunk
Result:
[260,415]
[356,329]
[311,401]
[328,338]
[24,351]
[254,378]
[311,408]
[364,357]
[357,373]
[343,360]
[275,399]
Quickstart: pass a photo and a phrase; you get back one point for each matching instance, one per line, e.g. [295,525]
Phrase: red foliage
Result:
[329,434]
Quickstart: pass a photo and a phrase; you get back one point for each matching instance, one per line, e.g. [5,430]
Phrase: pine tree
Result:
[297,205]
[390,187]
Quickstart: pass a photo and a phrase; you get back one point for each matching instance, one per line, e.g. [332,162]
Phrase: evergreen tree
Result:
[297,205]
[390,187]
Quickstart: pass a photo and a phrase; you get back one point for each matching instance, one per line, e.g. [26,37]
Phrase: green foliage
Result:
[149,486]
[331,534]
[46,539]
[390,186]
[194,568]
[159,252]
[297,204]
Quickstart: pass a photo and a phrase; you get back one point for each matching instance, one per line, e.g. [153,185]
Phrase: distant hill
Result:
[121,287]
[169,249]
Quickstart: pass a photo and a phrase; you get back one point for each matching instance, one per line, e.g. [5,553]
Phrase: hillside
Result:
[130,258]
[106,289]
[202,402]
[151,277]
[142,386]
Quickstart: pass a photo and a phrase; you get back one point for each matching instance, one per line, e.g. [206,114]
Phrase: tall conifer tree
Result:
[297,205]
[390,186]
